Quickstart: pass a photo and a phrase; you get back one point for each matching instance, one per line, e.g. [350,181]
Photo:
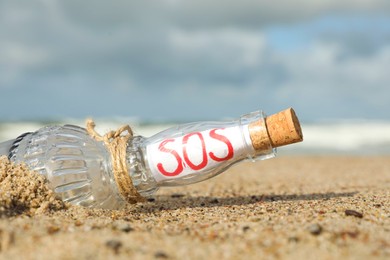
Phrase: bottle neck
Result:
[259,143]
[137,167]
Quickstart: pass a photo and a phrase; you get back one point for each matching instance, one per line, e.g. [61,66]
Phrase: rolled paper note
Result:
[280,129]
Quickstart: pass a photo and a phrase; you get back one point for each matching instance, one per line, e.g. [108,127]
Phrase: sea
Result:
[342,137]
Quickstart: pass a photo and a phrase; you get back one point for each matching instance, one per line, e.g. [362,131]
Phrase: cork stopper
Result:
[280,129]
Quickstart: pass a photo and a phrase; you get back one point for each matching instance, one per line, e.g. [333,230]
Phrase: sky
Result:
[171,60]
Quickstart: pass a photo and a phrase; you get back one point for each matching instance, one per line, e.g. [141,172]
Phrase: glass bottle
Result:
[80,168]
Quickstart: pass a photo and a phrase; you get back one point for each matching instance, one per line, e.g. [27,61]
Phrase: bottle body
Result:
[79,168]
[195,152]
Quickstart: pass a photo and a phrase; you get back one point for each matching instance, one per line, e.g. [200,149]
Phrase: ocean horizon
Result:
[330,137]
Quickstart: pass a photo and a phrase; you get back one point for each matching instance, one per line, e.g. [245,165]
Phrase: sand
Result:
[301,207]
[24,192]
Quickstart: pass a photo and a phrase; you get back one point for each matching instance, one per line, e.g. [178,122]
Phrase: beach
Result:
[289,207]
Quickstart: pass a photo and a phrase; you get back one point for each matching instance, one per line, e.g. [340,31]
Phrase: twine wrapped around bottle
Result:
[116,143]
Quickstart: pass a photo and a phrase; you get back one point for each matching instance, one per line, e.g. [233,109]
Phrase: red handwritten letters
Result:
[195,150]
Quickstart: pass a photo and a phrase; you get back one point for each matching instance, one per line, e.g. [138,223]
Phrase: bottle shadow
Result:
[180,201]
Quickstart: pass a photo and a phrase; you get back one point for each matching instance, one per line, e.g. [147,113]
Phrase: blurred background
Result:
[159,62]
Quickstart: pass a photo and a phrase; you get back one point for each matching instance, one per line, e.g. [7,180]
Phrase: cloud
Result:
[351,87]
[132,53]
[208,14]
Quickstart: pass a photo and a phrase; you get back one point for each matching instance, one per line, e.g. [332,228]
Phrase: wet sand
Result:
[301,207]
